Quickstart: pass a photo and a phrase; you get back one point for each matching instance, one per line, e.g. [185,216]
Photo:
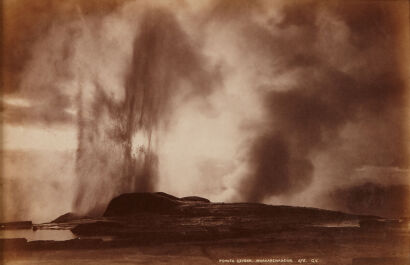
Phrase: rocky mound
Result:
[68,217]
[166,195]
[141,202]
[195,199]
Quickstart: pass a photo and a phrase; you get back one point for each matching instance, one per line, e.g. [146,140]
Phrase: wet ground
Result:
[258,250]
[30,235]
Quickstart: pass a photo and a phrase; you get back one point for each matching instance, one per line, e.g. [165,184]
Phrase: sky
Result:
[283,102]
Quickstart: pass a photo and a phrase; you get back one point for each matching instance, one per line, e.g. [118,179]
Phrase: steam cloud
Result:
[294,102]
[346,73]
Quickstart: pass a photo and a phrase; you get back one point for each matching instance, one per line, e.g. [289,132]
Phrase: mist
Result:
[284,102]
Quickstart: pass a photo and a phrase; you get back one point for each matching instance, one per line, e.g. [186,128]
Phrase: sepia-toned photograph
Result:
[196,132]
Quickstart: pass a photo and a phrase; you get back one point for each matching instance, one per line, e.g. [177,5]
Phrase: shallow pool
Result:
[30,235]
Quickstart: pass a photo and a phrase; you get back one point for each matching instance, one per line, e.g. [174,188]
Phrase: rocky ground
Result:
[157,228]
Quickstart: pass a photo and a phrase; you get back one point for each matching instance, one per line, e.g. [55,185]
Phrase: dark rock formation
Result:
[144,202]
[195,199]
[159,216]
[166,195]
[161,203]
[68,217]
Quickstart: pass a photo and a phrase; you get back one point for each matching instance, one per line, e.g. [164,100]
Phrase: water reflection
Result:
[30,235]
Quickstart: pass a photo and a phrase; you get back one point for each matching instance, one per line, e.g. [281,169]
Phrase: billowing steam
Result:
[291,102]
